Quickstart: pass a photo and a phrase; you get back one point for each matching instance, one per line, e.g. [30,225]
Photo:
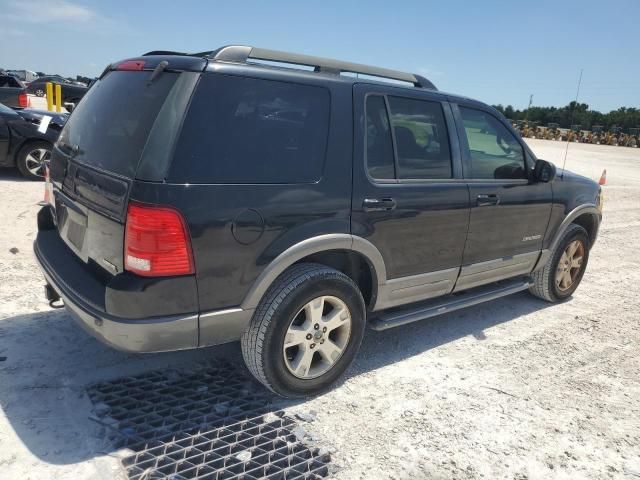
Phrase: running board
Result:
[420,311]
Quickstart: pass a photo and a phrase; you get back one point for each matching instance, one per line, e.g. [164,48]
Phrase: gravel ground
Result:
[515,388]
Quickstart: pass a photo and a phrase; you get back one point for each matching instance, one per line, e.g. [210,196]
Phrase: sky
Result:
[494,51]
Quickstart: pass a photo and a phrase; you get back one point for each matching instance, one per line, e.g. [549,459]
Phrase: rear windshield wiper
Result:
[157,71]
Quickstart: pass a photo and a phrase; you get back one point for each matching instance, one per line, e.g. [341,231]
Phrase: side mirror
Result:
[544,171]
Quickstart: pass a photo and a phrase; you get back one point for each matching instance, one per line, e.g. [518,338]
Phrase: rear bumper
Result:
[84,295]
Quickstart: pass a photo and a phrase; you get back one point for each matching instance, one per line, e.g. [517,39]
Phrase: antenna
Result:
[573,111]
[526,115]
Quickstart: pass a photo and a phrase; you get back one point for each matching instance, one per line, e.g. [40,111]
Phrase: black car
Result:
[71,92]
[208,198]
[26,139]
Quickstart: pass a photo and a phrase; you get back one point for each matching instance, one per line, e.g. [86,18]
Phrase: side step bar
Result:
[420,311]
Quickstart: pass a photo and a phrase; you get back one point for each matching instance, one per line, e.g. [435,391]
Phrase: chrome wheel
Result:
[569,265]
[39,92]
[317,337]
[36,159]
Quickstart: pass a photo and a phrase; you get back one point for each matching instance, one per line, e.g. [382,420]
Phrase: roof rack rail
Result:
[241,53]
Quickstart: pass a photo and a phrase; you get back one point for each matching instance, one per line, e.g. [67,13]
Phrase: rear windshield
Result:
[111,124]
[249,130]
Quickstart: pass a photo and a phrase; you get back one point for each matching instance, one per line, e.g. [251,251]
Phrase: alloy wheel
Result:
[569,265]
[317,337]
[36,159]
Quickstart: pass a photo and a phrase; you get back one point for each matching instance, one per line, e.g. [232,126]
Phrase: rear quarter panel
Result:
[237,230]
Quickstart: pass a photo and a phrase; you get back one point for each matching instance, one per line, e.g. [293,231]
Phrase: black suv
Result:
[197,199]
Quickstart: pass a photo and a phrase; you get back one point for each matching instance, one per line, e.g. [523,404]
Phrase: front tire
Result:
[562,274]
[306,330]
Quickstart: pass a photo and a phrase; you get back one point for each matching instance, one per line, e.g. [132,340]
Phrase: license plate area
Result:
[72,224]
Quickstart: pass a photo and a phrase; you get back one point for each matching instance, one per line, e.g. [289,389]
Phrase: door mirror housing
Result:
[544,171]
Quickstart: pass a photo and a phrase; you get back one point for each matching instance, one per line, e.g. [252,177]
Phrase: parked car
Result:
[26,141]
[24,75]
[71,92]
[202,199]
[13,92]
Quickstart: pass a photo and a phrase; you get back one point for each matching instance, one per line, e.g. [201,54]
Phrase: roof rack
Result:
[242,53]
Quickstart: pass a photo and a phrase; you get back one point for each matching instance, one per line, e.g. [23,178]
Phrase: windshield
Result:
[109,128]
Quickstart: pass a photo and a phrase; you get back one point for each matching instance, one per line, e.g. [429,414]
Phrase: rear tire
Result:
[562,274]
[306,331]
[31,159]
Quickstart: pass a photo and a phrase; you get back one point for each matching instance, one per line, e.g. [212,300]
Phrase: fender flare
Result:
[588,208]
[320,243]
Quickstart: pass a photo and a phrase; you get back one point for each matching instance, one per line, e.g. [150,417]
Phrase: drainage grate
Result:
[213,424]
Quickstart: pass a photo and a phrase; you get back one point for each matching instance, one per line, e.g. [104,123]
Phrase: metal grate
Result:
[212,424]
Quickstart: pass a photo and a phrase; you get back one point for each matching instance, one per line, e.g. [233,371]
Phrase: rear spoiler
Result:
[176,62]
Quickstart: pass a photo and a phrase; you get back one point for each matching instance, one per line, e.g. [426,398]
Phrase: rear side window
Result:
[417,130]
[495,152]
[421,139]
[378,140]
[246,130]
[111,124]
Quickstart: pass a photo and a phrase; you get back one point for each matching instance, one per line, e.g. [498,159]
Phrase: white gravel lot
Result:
[514,389]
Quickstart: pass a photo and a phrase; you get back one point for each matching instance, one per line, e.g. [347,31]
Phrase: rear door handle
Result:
[487,200]
[378,204]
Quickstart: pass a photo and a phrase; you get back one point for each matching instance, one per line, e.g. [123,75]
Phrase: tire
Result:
[546,284]
[39,92]
[29,154]
[282,310]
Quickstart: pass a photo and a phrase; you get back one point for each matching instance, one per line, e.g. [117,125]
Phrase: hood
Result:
[564,174]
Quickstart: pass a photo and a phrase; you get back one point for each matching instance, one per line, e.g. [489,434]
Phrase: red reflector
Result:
[47,195]
[156,242]
[23,101]
[132,65]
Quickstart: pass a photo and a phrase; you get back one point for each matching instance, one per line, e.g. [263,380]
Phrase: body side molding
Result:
[414,288]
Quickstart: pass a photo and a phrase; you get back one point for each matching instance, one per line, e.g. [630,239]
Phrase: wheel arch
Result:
[354,256]
[587,216]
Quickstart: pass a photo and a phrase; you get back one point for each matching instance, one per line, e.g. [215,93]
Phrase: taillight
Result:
[131,65]
[23,100]
[156,242]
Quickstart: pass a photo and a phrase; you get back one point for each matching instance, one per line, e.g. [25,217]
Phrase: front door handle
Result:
[487,200]
[378,204]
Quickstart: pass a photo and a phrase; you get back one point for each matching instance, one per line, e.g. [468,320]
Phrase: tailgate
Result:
[90,207]
[97,157]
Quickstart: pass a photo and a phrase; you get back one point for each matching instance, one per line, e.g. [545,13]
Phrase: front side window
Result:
[495,152]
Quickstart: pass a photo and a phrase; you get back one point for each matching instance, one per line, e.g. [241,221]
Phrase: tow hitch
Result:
[53,297]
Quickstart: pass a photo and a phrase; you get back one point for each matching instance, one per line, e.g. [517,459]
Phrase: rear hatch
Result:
[123,129]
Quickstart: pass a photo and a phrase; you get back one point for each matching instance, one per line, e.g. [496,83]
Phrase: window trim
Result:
[449,123]
[466,150]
